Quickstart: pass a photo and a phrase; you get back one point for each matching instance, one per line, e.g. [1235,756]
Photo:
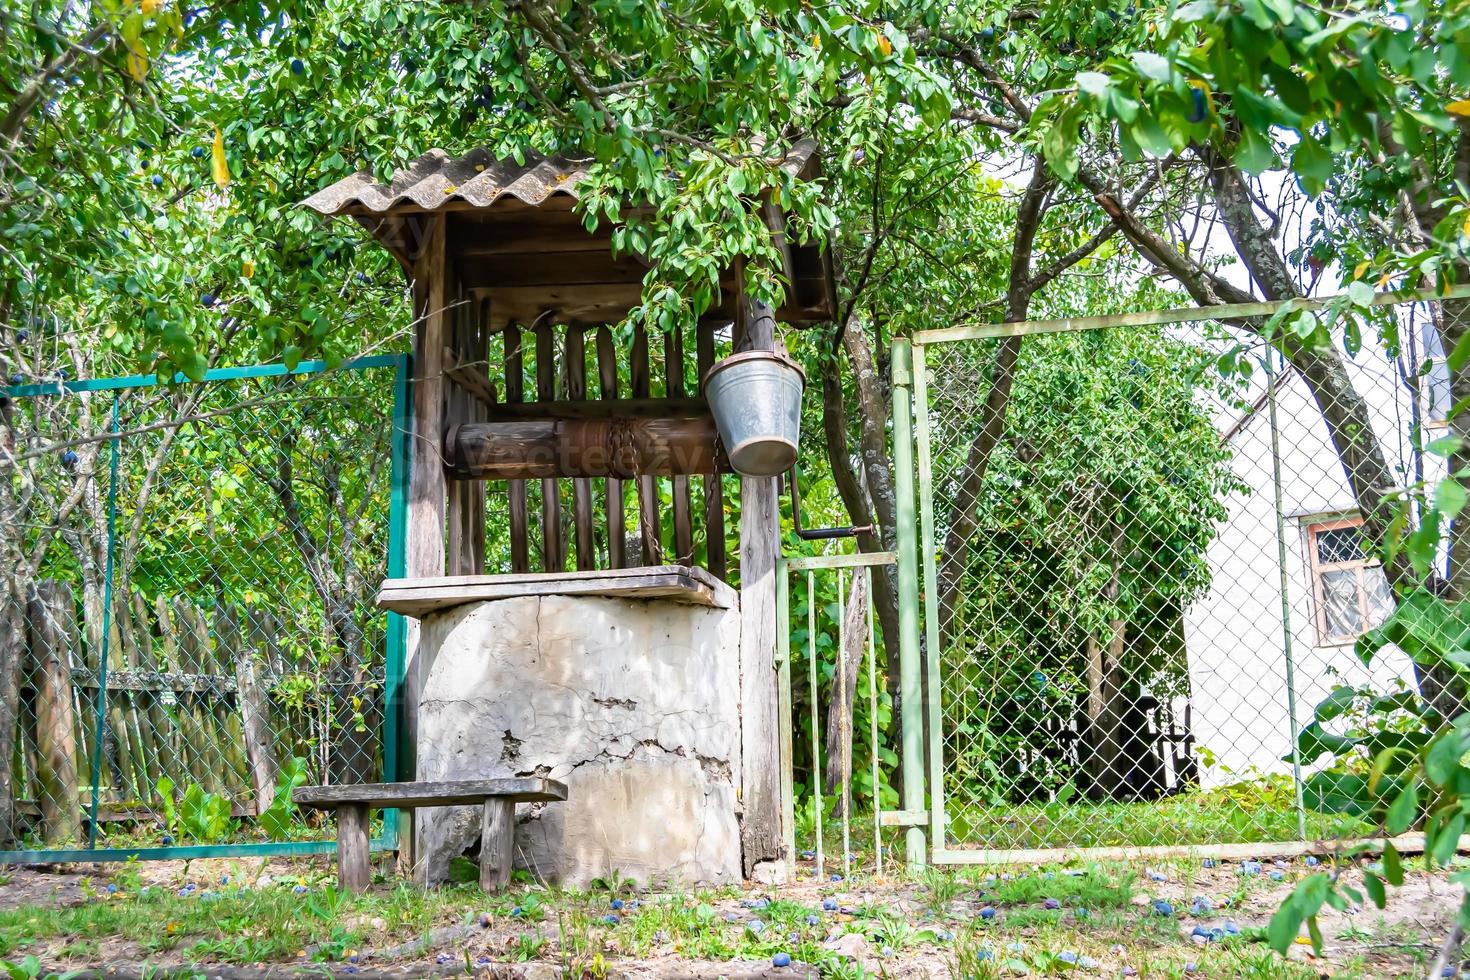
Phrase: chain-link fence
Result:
[1146,566]
[190,574]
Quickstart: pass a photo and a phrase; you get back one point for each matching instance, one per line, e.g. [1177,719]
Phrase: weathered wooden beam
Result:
[454,792]
[497,843]
[650,529]
[553,551]
[470,377]
[687,408]
[427,492]
[550,448]
[762,836]
[354,873]
[682,504]
[520,559]
[679,583]
[714,493]
[551,268]
[576,363]
[607,378]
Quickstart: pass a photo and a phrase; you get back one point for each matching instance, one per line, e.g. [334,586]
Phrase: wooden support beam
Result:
[581,487]
[581,448]
[520,559]
[354,874]
[607,377]
[762,836]
[649,528]
[471,378]
[603,408]
[427,491]
[553,555]
[497,843]
[714,491]
[674,388]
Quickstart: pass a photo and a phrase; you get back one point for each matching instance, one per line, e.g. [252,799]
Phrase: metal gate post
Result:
[911,708]
[401,440]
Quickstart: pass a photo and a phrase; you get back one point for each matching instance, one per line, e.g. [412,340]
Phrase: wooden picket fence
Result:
[187,696]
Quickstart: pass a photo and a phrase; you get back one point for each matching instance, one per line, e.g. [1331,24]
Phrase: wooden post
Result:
[674,382]
[553,555]
[607,378]
[12,655]
[649,528]
[254,717]
[515,369]
[55,721]
[426,484]
[576,355]
[761,833]
[354,874]
[497,843]
[714,492]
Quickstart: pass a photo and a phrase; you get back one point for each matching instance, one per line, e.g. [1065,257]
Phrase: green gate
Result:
[1136,585]
[187,625]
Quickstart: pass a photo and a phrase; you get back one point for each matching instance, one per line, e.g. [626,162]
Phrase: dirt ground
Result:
[946,930]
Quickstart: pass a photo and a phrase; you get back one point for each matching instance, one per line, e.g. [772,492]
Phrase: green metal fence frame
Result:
[923,746]
[396,635]
[891,818]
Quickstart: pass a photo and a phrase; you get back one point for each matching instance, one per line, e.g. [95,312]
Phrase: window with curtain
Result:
[1349,587]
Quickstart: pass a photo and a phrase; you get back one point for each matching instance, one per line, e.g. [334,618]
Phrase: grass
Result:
[1210,817]
[931,914]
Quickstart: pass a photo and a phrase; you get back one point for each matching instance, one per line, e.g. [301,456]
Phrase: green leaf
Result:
[1336,703]
[1312,162]
[1423,625]
[1447,840]
[1457,357]
[1196,10]
[1444,755]
[1404,810]
[1393,865]
[1285,925]
[1376,891]
[1450,497]
[1153,67]
[1093,82]
[1360,293]
[1338,792]
[1314,931]
[1314,741]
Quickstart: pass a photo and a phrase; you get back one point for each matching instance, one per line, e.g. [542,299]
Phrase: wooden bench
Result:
[498,797]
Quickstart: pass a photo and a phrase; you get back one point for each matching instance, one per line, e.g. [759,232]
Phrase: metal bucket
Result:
[755,397]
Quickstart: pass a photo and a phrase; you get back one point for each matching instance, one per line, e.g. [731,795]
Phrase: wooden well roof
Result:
[513,236]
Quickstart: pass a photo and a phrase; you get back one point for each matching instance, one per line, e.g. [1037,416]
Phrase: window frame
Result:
[1318,567]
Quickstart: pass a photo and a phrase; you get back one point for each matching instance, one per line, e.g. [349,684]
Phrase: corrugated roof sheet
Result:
[436,178]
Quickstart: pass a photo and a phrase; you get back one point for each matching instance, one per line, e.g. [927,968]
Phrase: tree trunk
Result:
[1446,691]
[353,758]
[868,497]
[844,690]
[12,656]
[1104,689]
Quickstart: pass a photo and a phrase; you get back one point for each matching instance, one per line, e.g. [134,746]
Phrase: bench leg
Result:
[353,872]
[497,843]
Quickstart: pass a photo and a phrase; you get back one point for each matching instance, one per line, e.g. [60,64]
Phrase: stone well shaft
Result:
[632,702]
